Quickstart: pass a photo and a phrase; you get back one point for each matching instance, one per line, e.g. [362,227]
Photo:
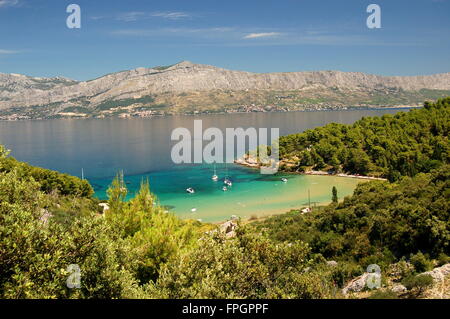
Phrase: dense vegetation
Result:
[136,249]
[48,180]
[391,146]
[380,223]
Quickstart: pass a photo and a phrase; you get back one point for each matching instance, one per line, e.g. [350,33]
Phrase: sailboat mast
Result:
[309,199]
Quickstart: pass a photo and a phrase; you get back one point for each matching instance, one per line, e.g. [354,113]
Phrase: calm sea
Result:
[142,148]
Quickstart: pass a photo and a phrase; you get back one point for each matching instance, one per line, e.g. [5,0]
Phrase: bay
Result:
[141,148]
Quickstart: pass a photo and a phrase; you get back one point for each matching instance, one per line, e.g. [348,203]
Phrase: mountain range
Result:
[188,88]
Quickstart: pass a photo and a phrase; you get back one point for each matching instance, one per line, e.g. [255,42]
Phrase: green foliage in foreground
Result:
[392,145]
[136,249]
[35,252]
[248,266]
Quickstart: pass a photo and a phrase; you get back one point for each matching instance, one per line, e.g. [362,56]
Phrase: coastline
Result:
[255,165]
[165,115]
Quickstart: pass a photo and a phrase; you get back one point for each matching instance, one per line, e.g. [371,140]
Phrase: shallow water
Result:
[252,194]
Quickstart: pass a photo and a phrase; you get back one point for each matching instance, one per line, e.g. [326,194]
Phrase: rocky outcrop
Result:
[356,285]
[438,274]
[399,288]
[228,228]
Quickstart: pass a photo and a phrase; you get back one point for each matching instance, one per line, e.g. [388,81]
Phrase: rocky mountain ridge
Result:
[185,86]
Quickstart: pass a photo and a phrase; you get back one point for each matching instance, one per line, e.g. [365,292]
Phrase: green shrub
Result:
[345,271]
[418,284]
[421,262]
[443,259]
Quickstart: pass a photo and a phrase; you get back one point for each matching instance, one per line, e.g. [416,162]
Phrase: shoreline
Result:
[356,108]
[253,164]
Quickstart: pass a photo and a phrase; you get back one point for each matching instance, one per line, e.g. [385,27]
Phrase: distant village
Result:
[133,113]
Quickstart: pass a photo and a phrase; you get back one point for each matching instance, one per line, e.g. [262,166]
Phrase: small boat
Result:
[215,177]
[227,182]
[194,210]
[224,188]
[190,190]
[284,180]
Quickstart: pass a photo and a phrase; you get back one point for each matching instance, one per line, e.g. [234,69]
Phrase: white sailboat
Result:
[227,181]
[215,178]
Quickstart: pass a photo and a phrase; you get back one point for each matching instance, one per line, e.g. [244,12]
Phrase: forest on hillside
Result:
[390,146]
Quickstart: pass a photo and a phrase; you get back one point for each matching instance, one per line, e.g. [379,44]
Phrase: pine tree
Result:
[334,198]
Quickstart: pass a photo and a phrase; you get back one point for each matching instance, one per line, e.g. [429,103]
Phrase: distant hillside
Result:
[194,88]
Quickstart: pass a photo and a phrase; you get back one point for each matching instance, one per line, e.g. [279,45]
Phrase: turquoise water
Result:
[252,194]
[141,148]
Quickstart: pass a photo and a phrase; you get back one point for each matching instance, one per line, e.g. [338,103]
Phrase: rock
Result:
[399,288]
[445,269]
[332,263]
[356,285]
[438,273]
[228,228]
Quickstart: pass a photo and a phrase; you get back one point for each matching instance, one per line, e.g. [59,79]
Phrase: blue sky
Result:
[250,35]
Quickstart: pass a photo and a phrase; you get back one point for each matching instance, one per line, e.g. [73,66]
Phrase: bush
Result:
[418,284]
[400,270]
[421,262]
[247,266]
[443,259]
[345,271]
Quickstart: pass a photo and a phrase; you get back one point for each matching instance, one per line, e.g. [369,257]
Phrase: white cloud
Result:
[262,35]
[2,51]
[131,16]
[171,15]
[8,3]
[139,15]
